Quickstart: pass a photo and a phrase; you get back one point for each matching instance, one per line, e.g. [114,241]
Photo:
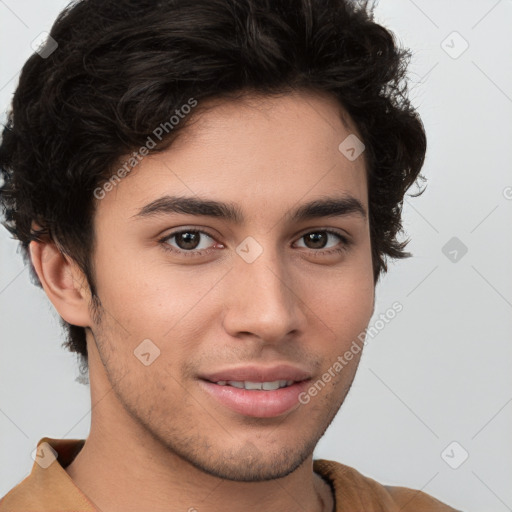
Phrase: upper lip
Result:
[259,374]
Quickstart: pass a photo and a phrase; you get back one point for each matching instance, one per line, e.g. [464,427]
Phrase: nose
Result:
[263,300]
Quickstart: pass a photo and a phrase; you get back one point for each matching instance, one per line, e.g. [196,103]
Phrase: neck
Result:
[147,477]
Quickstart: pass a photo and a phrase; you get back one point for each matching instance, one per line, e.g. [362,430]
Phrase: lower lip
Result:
[255,403]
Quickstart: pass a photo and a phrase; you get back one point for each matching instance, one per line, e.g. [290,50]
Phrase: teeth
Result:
[236,384]
[254,385]
[266,386]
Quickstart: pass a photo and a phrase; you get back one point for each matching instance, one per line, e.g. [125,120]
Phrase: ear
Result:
[63,281]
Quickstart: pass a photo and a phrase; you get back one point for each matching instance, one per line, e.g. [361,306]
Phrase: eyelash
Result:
[196,253]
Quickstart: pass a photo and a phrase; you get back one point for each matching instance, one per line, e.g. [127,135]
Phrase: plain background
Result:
[439,372]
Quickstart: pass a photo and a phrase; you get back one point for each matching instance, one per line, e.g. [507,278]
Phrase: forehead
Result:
[264,153]
[295,123]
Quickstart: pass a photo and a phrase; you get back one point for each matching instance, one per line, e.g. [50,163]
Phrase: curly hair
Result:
[124,66]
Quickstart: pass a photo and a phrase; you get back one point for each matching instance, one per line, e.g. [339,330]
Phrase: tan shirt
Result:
[50,488]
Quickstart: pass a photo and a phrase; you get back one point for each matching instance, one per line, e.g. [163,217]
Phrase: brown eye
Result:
[319,240]
[316,240]
[189,242]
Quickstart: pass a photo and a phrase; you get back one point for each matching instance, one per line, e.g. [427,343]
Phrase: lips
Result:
[237,389]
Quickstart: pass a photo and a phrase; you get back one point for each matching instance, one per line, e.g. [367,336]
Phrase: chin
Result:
[251,464]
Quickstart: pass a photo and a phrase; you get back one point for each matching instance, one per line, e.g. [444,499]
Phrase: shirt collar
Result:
[48,487]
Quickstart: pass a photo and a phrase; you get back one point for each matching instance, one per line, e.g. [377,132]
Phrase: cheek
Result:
[155,299]
[343,300]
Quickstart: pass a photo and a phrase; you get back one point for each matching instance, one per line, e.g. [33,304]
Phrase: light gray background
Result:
[440,371]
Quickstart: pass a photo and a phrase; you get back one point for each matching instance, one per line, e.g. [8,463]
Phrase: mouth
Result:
[258,392]
[264,386]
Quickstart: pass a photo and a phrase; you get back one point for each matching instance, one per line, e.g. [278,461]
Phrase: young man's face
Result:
[262,296]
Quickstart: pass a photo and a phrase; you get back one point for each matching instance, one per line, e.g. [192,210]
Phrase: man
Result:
[207,192]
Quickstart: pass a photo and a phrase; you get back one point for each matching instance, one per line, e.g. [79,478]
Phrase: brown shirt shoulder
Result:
[355,492]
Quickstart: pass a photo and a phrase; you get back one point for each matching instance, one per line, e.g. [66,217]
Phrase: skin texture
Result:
[158,441]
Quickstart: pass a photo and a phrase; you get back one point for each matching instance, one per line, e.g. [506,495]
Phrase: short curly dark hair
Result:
[124,66]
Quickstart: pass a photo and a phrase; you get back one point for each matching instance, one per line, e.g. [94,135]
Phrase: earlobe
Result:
[64,283]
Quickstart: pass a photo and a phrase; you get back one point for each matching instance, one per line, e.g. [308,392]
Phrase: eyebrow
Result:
[325,207]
